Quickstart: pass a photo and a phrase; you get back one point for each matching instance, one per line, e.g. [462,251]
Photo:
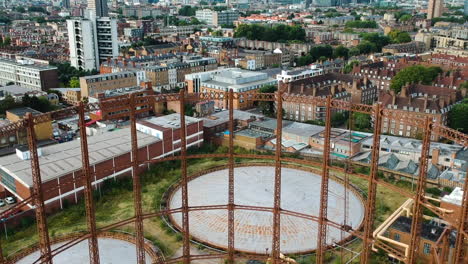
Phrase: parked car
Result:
[2,203]
[10,200]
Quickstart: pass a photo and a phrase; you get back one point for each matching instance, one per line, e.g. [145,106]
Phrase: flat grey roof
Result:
[303,129]
[16,89]
[170,121]
[223,116]
[21,111]
[37,66]
[61,159]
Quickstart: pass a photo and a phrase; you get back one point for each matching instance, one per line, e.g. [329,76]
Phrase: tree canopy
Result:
[66,72]
[187,11]
[458,116]
[377,39]
[397,36]
[321,53]
[361,24]
[414,74]
[277,33]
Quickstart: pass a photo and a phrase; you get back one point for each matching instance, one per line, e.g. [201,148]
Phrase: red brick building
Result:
[110,157]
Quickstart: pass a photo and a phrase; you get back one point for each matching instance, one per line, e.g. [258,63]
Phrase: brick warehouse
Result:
[110,157]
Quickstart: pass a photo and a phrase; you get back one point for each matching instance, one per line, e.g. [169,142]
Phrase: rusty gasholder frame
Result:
[130,108]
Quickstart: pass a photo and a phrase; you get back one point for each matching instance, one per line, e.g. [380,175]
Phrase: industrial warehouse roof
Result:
[61,159]
[168,121]
[412,145]
[302,129]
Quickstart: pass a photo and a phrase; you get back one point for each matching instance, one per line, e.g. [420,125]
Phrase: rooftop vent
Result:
[23,152]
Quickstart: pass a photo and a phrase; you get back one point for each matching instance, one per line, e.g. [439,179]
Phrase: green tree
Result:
[8,103]
[74,82]
[349,67]
[397,36]
[414,74]
[361,24]
[20,9]
[217,33]
[321,51]
[354,51]
[277,33]
[361,121]
[338,119]
[405,18]
[5,42]
[458,117]
[341,52]
[378,40]
[267,108]
[366,47]
[187,11]
[38,9]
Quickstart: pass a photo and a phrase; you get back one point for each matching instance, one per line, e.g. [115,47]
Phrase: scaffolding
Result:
[132,106]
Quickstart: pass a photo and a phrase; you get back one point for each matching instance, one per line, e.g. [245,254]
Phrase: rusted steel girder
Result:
[276,246]
[88,189]
[461,255]
[322,224]
[372,188]
[41,221]
[139,239]
[231,241]
[420,192]
[183,169]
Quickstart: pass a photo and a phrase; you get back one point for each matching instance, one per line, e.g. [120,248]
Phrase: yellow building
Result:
[43,130]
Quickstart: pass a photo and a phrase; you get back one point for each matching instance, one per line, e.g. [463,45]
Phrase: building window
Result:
[427,248]
[396,237]
[7,180]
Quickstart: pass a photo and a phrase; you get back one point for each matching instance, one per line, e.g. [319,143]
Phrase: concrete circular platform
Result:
[111,251]
[253,229]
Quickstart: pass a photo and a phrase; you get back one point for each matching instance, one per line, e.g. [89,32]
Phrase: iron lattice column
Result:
[41,221]
[461,255]
[276,247]
[420,192]
[231,245]
[140,239]
[88,189]
[322,223]
[183,169]
[372,187]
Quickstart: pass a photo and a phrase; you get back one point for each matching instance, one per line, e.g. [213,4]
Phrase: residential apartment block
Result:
[28,74]
[339,86]
[225,79]
[217,18]
[419,101]
[94,84]
[92,41]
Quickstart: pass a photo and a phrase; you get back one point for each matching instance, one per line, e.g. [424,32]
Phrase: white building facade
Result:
[92,41]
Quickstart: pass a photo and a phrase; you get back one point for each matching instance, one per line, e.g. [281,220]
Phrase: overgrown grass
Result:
[114,203]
